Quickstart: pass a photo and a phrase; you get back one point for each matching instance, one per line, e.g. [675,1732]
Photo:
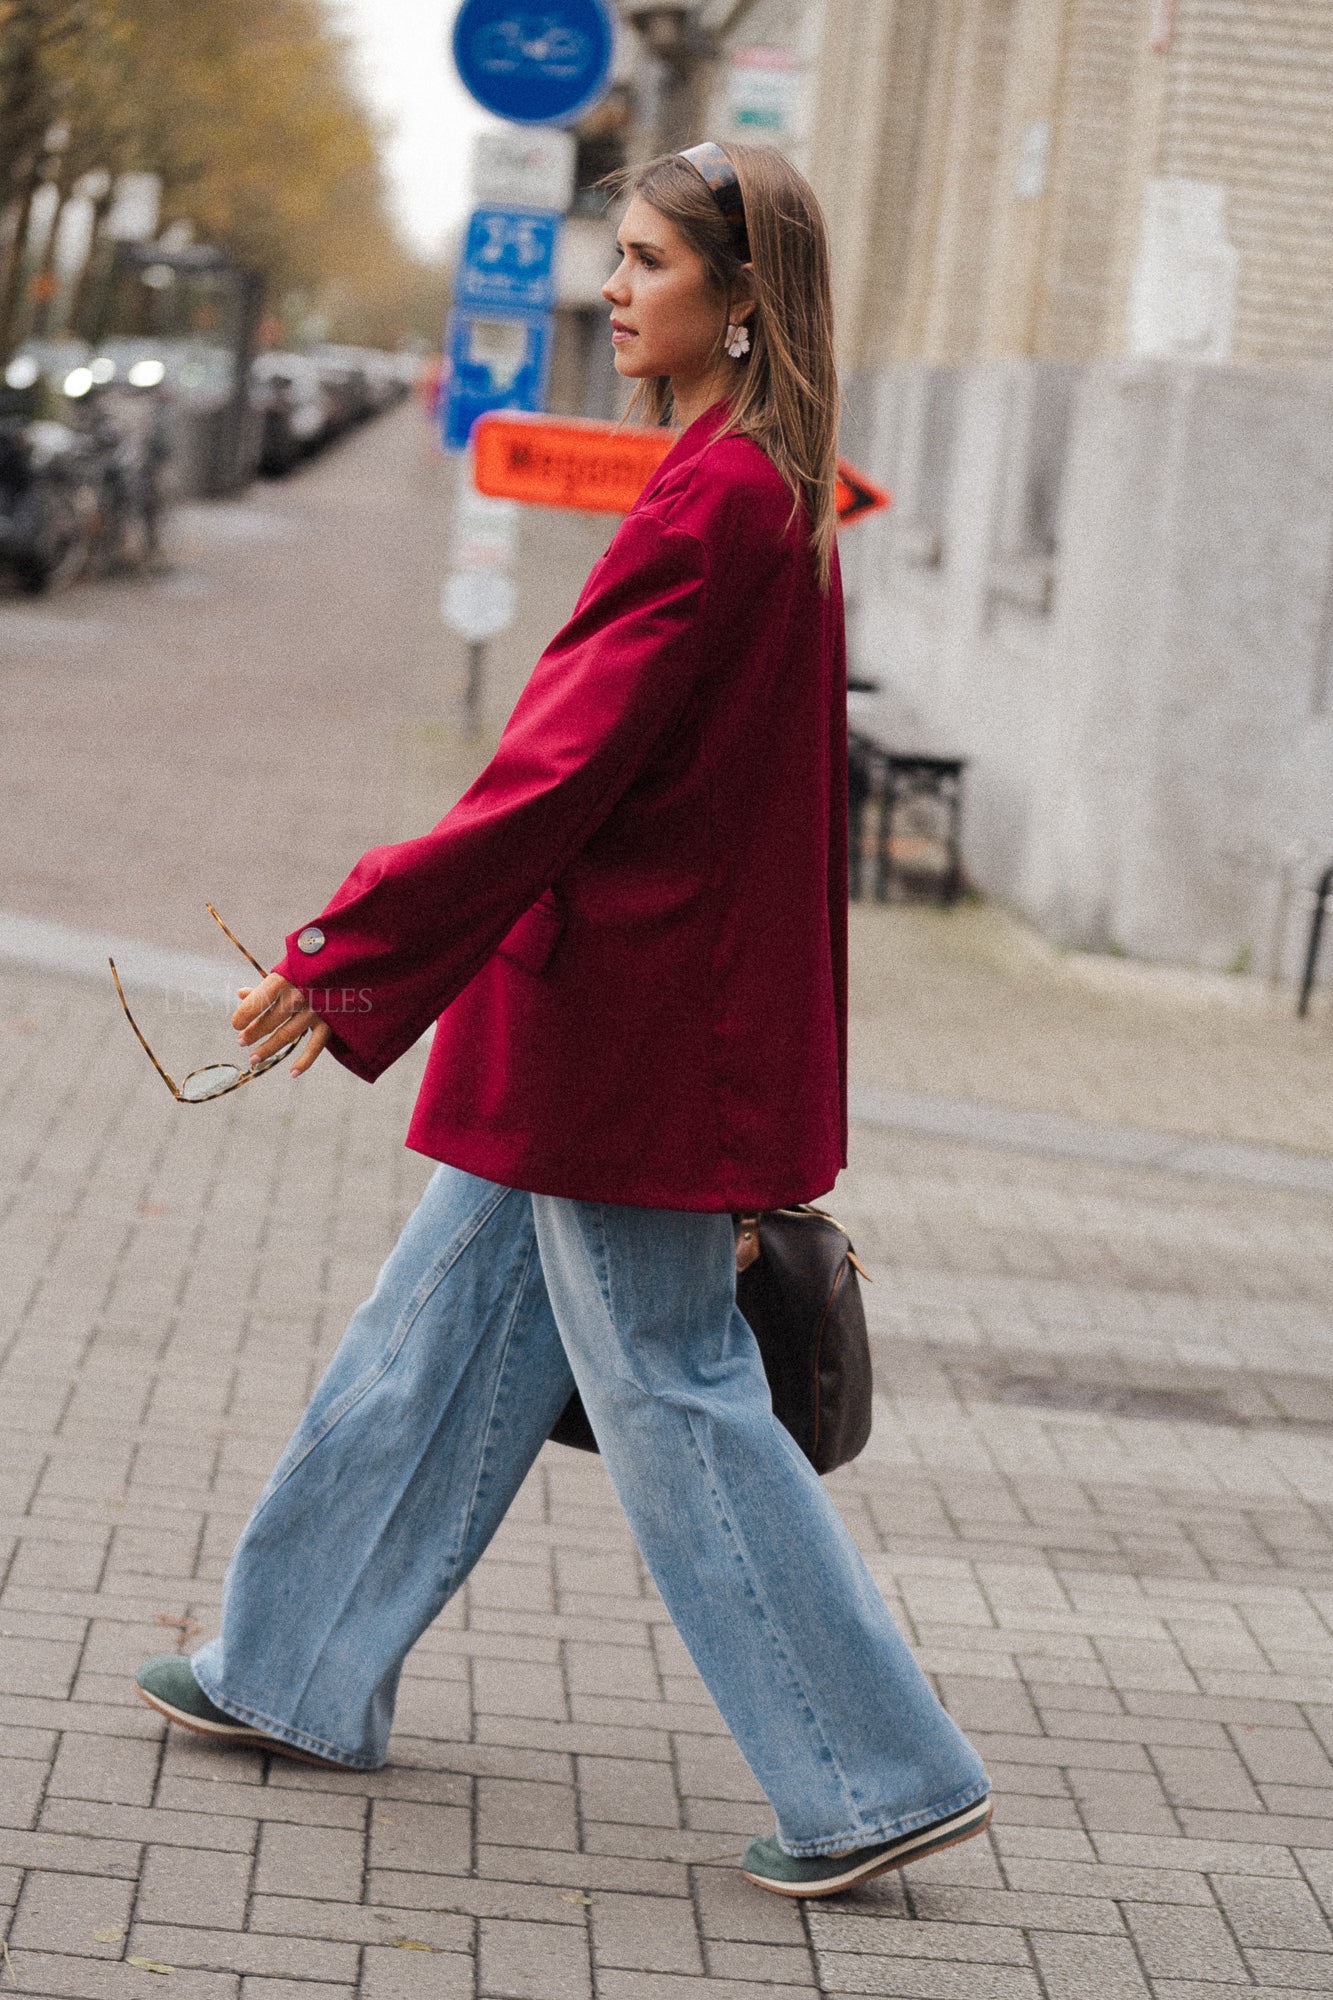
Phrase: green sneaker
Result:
[167,1684]
[770,1867]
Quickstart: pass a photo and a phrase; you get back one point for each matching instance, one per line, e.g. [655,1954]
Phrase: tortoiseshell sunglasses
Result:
[214,1079]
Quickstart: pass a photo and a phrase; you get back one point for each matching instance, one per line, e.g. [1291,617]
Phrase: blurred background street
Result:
[1086,323]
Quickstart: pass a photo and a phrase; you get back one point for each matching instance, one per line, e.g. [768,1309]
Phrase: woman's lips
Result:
[620,334]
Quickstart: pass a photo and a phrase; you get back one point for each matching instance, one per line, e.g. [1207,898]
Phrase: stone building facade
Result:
[997,163]
[1085,299]
[1085,310]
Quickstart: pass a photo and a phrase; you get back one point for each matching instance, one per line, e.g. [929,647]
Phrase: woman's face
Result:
[666,318]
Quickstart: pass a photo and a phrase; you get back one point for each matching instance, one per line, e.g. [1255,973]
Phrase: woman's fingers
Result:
[272,1016]
[319,1036]
[278,1029]
[255,1000]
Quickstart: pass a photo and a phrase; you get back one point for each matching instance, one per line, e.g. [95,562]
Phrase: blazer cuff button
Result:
[310,940]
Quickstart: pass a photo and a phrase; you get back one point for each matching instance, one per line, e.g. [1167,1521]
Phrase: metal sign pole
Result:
[476,669]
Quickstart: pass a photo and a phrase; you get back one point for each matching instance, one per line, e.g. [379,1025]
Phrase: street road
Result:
[283,696]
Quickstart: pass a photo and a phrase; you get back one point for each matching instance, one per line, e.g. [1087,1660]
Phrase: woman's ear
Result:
[743,300]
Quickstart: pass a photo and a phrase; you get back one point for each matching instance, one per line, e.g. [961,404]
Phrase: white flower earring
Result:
[738,341]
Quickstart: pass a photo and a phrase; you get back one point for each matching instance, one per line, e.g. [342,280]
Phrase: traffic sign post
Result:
[534,65]
[501,331]
[478,598]
[524,166]
[496,362]
[508,261]
[856,495]
[601,468]
[595,468]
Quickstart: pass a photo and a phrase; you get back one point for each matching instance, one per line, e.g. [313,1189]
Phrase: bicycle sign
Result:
[508,260]
[534,64]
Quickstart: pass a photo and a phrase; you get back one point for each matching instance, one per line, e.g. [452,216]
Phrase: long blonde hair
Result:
[787,395]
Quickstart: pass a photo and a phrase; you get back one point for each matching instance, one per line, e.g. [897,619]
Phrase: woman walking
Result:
[632,930]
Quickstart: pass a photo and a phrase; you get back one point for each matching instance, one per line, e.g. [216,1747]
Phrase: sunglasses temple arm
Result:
[142,1043]
[260,969]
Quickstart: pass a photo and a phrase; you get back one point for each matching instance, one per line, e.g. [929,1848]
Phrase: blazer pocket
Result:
[535,935]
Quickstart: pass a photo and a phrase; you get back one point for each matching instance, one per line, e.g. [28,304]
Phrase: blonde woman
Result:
[631,934]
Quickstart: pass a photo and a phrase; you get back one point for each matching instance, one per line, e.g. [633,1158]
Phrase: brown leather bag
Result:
[796,1283]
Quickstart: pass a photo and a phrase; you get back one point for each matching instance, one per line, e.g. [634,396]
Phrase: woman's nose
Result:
[615,291]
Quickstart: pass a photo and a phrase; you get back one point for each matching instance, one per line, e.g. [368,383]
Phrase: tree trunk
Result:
[11,283]
[78,291]
[44,278]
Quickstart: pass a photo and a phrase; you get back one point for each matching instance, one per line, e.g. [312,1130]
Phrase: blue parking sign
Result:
[508,259]
[496,362]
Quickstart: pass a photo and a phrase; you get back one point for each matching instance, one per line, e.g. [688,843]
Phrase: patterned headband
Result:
[719,177]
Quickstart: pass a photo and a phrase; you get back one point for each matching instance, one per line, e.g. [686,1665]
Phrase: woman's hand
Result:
[273,1015]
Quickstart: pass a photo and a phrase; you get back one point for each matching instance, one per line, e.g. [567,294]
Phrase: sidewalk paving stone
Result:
[1099,1492]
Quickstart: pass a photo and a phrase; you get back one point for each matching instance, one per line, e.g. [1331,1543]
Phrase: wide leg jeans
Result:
[493,1304]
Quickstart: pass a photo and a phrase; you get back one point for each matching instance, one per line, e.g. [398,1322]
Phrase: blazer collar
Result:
[688,445]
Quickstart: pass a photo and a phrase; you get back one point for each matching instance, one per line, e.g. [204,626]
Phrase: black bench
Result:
[880,783]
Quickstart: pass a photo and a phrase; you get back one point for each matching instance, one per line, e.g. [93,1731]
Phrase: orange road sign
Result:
[599,468]
[566,462]
[858,495]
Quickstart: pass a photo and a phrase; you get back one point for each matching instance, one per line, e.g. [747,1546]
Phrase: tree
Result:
[245,110]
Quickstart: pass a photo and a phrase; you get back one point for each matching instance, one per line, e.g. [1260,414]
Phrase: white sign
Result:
[523,167]
[478,603]
[762,85]
[485,530]
[1182,301]
[584,262]
[132,216]
[1034,159]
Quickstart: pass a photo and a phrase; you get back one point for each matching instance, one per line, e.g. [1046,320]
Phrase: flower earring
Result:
[738,341]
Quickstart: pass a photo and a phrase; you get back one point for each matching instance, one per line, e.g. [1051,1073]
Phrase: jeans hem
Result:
[875,1835]
[255,1718]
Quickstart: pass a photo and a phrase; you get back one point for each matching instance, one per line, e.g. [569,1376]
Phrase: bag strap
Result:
[749,1247]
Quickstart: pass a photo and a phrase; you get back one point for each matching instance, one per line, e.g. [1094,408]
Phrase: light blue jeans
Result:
[491,1306]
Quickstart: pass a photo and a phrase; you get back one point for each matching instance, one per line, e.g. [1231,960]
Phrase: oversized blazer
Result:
[631,930]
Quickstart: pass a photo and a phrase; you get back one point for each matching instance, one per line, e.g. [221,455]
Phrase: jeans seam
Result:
[487,1434]
[407,1320]
[766,1617]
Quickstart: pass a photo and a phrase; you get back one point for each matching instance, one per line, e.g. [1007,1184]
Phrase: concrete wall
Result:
[1111,590]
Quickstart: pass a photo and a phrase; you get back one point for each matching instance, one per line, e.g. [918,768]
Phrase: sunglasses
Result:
[214,1079]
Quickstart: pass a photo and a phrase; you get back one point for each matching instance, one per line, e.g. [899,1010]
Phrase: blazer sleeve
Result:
[415,921]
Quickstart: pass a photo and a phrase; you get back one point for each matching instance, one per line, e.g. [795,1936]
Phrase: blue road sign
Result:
[535,62]
[496,362]
[508,260]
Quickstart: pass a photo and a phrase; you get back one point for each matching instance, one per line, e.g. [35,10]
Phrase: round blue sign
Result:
[535,64]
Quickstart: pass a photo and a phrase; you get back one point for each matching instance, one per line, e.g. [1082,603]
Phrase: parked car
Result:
[303,402]
[294,408]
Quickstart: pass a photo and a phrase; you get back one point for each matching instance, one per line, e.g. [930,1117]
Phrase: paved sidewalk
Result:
[1097,1496]
[1099,1493]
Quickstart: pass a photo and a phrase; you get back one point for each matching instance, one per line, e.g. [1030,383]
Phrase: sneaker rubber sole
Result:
[235,1733]
[862,1863]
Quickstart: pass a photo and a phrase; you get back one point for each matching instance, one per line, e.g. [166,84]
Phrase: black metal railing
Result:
[1321,896]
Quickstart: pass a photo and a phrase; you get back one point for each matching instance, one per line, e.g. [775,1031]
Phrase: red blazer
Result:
[633,927]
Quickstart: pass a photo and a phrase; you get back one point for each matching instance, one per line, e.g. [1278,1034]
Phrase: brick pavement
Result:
[1097,1495]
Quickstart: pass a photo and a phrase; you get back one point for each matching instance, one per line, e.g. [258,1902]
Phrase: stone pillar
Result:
[851,94]
[1032,108]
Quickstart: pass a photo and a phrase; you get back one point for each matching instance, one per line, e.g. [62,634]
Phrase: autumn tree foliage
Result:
[243,108]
